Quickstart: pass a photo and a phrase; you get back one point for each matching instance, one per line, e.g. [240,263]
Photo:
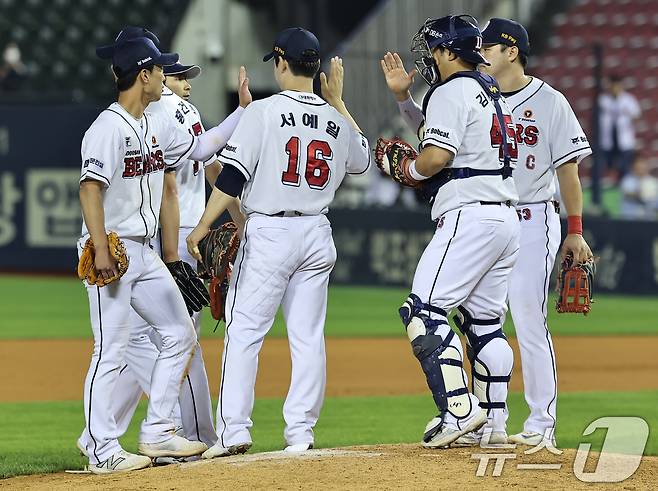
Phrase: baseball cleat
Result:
[218,451]
[438,434]
[121,461]
[530,438]
[299,447]
[175,446]
[484,440]
[81,448]
[159,461]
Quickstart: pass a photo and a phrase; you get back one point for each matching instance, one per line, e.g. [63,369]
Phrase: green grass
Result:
[57,308]
[40,437]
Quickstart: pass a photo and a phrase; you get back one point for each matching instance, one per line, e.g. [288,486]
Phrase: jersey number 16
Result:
[317,171]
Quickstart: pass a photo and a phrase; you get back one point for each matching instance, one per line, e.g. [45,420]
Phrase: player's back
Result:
[461,117]
[299,152]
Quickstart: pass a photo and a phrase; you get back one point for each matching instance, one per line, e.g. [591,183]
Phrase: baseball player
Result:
[194,417]
[124,155]
[287,157]
[551,143]
[465,165]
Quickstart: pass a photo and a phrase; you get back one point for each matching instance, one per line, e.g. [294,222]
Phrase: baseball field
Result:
[376,408]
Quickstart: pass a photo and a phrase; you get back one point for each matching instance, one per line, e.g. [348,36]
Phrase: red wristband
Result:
[575,225]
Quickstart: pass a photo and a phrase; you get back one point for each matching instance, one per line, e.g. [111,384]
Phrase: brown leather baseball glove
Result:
[218,250]
[86,266]
[574,286]
[393,157]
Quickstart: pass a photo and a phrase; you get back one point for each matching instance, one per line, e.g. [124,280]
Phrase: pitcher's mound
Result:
[406,466]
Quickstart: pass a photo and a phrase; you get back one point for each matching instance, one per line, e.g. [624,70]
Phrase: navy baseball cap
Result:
[135,54]
[295,44]
[190,71]
[127,33]
[508,32]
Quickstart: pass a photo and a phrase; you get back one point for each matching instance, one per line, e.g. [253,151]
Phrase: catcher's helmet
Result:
[458,33]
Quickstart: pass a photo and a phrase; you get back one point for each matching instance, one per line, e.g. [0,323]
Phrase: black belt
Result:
[288,214]
[507,203]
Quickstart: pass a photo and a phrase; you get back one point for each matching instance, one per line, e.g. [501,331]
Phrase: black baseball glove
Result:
[191,286]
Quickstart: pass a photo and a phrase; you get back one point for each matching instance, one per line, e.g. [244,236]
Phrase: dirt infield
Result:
[49,370]
[374,467]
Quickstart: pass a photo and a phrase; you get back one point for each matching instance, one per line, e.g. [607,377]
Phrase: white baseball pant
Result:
[528,300]
[467,264]
[147,287]
[281,261]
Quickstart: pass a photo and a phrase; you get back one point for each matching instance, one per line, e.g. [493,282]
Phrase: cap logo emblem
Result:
[508,37]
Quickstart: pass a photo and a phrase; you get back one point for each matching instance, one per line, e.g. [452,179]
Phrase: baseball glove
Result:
[393,157]
[218,250]
[86,264]
[190,285]
[574,286]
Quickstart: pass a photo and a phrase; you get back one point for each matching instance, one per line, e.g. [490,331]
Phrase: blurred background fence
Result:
[52,86]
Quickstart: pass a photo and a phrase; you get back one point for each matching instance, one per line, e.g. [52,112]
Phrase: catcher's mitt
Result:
[574,286]
[218,250]
[86,264]
[190,285]
[393,157]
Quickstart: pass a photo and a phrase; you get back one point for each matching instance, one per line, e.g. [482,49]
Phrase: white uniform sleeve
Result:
[179,144]
[446,117]
[242,150]
[567,140]
[358,156]
[102,152]
[412,114]
[215,138]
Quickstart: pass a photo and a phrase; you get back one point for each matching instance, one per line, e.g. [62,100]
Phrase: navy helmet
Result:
[458,33]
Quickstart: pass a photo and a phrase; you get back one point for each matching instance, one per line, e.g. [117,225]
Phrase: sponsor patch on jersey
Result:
[128,141]
[527,114]
[153,140]
[579,139]
[230,148]
[92,161]
[437,132]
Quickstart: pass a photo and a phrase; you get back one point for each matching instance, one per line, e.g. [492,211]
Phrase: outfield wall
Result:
[40,215]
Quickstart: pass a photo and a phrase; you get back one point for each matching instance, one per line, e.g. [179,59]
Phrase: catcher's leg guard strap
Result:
[440,360]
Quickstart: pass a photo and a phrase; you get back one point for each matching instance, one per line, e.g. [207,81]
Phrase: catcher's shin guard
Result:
[491,359]
[439,355]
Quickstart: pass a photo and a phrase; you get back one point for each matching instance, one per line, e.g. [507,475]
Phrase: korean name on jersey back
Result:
[297,140]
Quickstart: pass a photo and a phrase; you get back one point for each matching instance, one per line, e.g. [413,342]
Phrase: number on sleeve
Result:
[497,137]
[317,171]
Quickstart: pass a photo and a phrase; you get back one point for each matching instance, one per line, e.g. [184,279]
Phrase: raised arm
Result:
[399,82]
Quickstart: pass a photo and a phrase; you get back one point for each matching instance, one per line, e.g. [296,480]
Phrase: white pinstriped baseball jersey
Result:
[294,149]
[548,135]
[462,119]
[190,176]
[129,157]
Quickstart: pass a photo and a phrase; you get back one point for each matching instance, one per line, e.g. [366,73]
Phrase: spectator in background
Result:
[618,111]
[639,192]
[12,70]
